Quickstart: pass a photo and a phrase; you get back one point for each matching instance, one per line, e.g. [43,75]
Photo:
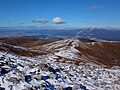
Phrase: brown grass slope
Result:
[105,53]
[25,42]
[12,45]
[17,50]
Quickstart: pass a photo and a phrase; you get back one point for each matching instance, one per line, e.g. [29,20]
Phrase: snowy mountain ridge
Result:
[68,64]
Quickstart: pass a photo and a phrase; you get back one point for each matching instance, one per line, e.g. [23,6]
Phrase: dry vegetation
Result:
[106,53]
[25,42]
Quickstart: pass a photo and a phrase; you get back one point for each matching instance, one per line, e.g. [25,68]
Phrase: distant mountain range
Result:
[93,33]
[100,33]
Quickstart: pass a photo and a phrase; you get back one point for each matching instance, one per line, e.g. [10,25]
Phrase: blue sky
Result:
[81,13]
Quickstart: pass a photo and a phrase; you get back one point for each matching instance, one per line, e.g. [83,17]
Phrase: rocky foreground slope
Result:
[25,73]
[64,65]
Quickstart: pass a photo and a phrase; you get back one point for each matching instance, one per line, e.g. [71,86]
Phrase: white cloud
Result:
[58,20]
[43,21]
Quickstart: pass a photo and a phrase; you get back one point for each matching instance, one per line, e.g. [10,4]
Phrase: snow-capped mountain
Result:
[97,33]
[100,33]
[68,64]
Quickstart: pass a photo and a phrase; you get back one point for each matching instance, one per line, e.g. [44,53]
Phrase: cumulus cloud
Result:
[58,20]
[42,21]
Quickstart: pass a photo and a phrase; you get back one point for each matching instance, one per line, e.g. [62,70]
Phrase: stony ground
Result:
[25,73]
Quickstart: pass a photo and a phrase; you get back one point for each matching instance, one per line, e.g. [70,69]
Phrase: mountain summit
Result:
[70,50]
[69,64]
